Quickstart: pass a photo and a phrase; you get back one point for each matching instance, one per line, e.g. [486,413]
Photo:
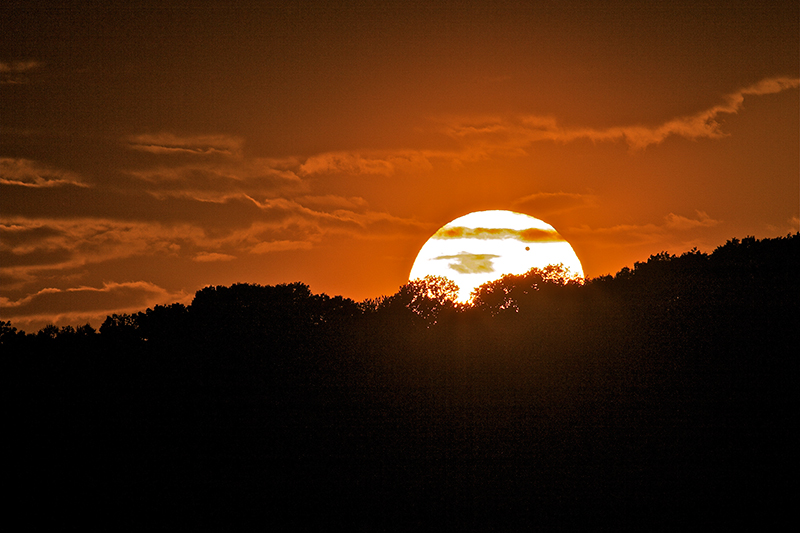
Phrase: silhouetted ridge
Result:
[638,400]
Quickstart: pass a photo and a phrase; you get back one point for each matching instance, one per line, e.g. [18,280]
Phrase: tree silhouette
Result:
[10,337]
[667,388]
[163,323]
[425,301]
[50,331]
[512,292]
[121,330]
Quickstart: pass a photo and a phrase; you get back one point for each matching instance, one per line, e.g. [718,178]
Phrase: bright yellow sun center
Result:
[486,245]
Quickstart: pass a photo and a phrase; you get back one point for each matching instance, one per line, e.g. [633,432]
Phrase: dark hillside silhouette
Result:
[659,398]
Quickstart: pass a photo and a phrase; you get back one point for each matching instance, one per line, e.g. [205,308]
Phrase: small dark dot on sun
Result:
[528,248]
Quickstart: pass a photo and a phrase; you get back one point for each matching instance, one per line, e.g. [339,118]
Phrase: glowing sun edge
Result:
[492,248]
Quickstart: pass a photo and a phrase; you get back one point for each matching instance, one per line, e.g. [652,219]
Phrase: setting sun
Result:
[341,139]
[486,245]
[466,265]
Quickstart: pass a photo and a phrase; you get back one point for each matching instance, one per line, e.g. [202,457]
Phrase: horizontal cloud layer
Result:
[525,129]
[27,173]
[82,304]
[205,201]
[15,72]
[524,235]
[468,263]
[19,66]
[544,203]
[169,143]
[634,234]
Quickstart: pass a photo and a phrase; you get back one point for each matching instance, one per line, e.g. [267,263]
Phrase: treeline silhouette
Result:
[661,397]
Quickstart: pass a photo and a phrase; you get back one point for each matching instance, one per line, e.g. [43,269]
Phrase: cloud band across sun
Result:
[524,235]
[468,263]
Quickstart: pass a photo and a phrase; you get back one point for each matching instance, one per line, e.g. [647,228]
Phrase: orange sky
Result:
[148,151]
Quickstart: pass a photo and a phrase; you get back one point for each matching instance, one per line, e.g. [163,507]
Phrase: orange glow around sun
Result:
[139,165]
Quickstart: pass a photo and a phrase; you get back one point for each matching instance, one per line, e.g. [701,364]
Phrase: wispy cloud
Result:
[215,181]
[554,202]
[356,223]
[790,226]
[210,257]
[279,246]
[522,130]
[28,173]
[201,145]
[60,240]
[69,202]
[334,202]
[19,66]
[81,298]
[378,163]
[678,222]
[15,72]
[481,137]
[79,304]
[30,247]
[637,234]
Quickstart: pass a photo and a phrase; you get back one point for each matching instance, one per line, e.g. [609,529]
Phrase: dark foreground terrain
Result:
[661,398]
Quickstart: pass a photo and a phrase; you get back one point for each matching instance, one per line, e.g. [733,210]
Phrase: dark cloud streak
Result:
[85,299]
[15,235]
[468,263]
[72,202]
[526,235]
[35,258]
